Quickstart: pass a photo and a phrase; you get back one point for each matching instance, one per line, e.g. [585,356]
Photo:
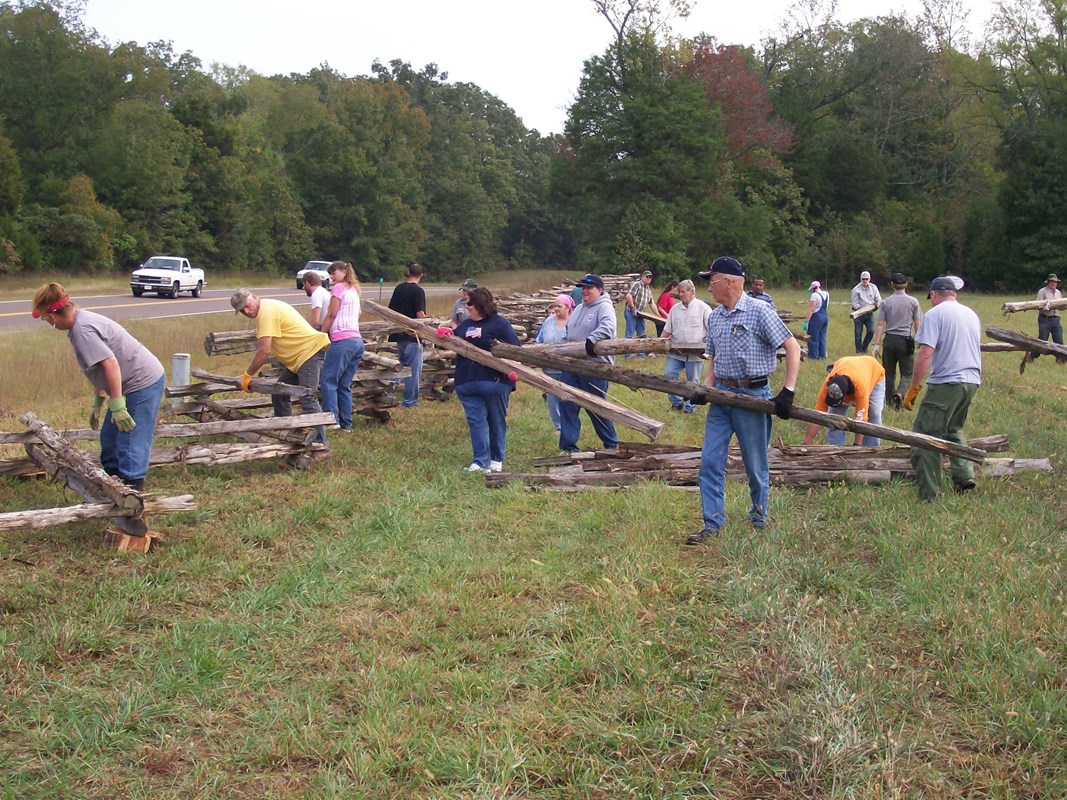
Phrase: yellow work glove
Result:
[94,413]
[246,379]
[909,397]
[119,415]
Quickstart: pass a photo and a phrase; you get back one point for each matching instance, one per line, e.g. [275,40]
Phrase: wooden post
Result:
[1024,342]
[645,380]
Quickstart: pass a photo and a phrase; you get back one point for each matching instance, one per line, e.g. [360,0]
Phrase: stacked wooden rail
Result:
[105,497]
[679,465]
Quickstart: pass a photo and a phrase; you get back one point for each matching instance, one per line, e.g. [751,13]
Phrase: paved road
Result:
[15,314]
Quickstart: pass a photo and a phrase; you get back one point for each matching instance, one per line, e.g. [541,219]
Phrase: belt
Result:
[743,383]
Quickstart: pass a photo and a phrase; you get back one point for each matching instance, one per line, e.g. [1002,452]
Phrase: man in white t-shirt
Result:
[320,299]
[949,357]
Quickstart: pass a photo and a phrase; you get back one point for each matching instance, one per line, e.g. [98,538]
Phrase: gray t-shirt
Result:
[96,338]
[898,312]
[955,333]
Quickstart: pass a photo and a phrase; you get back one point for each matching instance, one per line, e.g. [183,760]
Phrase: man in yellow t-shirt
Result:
[858,381]
[282,332]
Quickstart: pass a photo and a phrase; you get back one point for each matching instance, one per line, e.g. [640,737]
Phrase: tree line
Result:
[883,144]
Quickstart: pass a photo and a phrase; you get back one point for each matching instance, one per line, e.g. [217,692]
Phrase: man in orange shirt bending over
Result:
[858,381]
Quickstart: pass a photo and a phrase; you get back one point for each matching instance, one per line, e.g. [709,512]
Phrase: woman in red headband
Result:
[123,372]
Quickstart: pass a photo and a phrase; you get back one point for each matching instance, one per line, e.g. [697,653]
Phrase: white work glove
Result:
[876,352]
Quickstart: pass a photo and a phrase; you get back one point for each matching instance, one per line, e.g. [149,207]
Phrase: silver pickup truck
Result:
[167,276]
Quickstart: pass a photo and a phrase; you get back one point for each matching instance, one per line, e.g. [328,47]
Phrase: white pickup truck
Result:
[167,275]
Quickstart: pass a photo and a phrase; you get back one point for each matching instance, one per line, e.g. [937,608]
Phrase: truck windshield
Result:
[172,264]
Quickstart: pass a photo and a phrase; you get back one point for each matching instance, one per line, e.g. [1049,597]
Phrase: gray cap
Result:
[239,299]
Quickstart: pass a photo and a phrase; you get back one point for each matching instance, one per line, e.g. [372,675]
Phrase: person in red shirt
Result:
[664,304]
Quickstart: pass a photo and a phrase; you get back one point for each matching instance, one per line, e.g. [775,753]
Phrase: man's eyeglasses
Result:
[712,283]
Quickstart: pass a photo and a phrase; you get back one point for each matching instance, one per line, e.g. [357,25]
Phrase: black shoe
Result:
[700,537]
[967,486]
[676,407]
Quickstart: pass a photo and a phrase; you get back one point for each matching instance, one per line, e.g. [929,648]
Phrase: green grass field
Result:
[384,626]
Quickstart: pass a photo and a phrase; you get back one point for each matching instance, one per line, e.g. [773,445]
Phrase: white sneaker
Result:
[496,466]
[477,468]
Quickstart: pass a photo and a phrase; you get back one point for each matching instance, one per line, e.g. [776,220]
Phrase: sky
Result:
[529,55]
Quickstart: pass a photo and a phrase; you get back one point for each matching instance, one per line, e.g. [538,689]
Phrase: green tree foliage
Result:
[641,134]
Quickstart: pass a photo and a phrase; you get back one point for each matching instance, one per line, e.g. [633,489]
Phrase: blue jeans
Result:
[553,401]
[859,324]
[817,335]
[634,323]
[486,405]
[753,430]
[1049,326]
[307,375]
[874,414]
[570,425]
[126,455]
[410,354]
[338,369]
[673,369]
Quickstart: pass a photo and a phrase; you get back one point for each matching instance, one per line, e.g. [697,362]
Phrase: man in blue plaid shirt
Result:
[744,335]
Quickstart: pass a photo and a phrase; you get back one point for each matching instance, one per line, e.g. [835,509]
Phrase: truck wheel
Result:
[199,290]
[299,284]
[138,292]
[174,290]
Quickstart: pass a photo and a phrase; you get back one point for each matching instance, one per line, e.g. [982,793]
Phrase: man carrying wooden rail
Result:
[744,335]
[949,341]
[864,294]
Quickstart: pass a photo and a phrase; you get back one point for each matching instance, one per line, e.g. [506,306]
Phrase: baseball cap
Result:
[239,299]
[815,285]
[724,265]
[837,388]
[865,274]
[646,274]
[592,280]
[469,284]
[946,283]
[899,277]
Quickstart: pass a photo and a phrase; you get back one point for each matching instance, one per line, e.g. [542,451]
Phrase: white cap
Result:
[865,274]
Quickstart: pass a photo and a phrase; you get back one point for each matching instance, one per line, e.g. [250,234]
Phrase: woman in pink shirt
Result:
[346,344]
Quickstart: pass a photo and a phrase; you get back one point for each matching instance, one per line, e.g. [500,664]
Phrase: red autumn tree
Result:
[755,136]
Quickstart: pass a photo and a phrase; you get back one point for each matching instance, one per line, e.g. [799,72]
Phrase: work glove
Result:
[910,395]
[805,326]
[443,331]
[589,348]
[246,380]
[119,415]
[783,401]
[699,400]
[876,352]
[94,414]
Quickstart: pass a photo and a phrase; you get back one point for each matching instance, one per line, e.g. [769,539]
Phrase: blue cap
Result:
[724,265]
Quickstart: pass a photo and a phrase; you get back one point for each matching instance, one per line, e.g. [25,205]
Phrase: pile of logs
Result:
[105,497]
[791,465]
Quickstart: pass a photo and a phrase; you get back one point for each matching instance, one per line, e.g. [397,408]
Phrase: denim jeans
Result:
[410,354]
[126,455]
[307,376]
[942,413]
[817,335]
[874,415]
[753,430]
[570,425]
[553,401]
[634,323]
[673,369]
[338,369]
[864,323]
[486,405]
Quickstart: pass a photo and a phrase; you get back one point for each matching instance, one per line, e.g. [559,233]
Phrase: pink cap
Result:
[816,285]
[565,300]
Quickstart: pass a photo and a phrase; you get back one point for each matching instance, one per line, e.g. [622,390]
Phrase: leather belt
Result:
[743,383]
